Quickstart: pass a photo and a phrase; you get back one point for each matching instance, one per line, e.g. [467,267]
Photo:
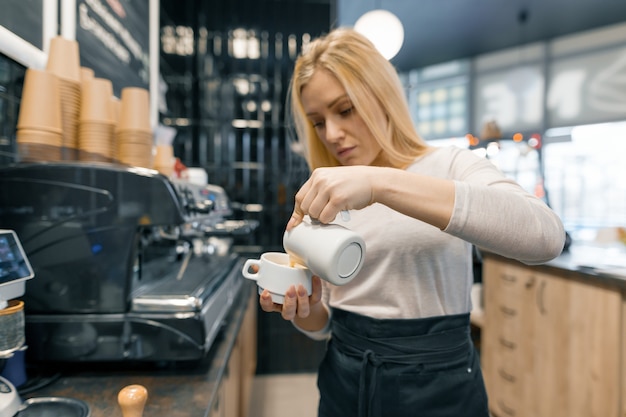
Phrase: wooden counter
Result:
[218,385]
[553,340]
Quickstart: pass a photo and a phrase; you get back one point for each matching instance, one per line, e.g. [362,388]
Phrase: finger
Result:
[304,308]
[296,219]
[305,197]
[266,303]
[329,212]
[298,212]
[290,304]
[316,290]
[314,203]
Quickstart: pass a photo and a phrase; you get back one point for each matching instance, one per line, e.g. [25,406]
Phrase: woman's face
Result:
[337,122]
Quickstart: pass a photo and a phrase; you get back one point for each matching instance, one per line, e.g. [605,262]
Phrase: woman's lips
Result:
[343,152]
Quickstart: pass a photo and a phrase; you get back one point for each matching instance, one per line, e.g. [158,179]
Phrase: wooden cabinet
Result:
[551,343]
[248,345]
[235,387]
[505,338]
[232,382]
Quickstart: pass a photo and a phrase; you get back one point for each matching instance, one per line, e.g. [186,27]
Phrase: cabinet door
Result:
[507,336]
[232,381]
[248,337]
[491,328]
[577,349]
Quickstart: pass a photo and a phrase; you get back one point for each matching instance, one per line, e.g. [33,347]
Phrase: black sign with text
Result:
[24,18]
[113,36]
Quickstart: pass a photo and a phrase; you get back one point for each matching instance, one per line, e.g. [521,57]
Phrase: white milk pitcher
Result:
[330,251]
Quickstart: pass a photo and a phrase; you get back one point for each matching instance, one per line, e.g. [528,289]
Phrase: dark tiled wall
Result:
[11,81]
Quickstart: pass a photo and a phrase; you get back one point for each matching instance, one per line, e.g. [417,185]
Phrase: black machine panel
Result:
[121,261]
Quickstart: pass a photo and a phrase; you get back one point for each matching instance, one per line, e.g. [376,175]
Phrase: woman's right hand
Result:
[297,303]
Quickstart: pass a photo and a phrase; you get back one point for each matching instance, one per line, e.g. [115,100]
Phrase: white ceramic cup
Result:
[330,251]
[275,274]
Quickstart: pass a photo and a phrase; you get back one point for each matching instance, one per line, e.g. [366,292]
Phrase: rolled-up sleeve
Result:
[496,214]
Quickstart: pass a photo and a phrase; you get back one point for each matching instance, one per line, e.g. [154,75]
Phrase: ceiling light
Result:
[383,29]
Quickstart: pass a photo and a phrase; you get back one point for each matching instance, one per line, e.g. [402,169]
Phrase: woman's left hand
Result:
[297,302]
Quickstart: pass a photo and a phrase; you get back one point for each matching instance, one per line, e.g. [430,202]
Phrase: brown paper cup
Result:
[38,136]
[96,101]
[134,136]
[64,58]
[116,107]
[134,109]
[135,154]
[70,111]
[40,107]
[86,74]
[164,159]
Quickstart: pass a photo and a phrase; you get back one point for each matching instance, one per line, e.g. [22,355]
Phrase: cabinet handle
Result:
[507,410]
[508,277]
[506,376]
[540,298]
[508,311]
[507,344]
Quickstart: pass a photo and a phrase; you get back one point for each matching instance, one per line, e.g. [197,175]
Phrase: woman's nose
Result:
[334,131]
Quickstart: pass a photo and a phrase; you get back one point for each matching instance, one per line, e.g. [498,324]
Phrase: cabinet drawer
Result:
[505,334]
[508,402]
[507,347]
[504,407]
[504,280]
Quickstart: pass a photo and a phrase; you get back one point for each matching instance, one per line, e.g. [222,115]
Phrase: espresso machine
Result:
[125,263]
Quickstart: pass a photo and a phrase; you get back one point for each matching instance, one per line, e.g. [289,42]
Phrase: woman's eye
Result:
[317,124]
[346,112]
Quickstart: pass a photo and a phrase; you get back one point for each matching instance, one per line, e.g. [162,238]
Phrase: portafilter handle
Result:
[132,400]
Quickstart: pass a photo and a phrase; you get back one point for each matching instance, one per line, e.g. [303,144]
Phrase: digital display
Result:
[13,262]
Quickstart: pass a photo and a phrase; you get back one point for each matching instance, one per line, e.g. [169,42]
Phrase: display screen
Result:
[13,262]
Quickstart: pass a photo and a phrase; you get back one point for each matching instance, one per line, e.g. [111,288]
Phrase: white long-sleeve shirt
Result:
[414,270]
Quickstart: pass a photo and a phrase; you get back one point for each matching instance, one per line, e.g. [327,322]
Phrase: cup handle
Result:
[246,269]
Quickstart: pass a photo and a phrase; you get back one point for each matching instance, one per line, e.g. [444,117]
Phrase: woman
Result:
[399,333]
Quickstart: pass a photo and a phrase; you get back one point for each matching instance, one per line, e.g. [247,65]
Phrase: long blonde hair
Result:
[372,84]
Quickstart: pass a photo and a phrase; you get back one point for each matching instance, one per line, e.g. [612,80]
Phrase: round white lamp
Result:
[383,29]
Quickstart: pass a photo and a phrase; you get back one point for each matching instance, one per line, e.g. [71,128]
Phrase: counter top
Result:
[603,264]
[174,389]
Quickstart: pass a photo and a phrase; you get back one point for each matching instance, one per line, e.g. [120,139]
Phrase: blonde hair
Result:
[372,84]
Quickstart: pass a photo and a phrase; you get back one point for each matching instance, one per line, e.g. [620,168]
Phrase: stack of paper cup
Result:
[115,111]
[164,159]
[134,133]
[86,74]
[96,122]
[64,62]
[39,125]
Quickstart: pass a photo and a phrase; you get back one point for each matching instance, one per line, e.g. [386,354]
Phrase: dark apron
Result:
[401,367]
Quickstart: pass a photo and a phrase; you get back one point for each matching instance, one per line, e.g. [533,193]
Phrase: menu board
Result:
[114,41]
[587,88]
[25,19]
[439,99]
[511,97]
